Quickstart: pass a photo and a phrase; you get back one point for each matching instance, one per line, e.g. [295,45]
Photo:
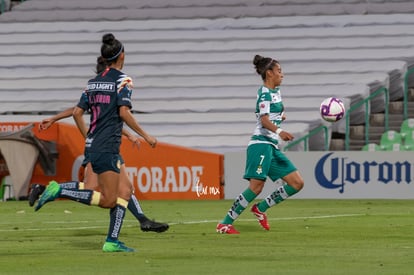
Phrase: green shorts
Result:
[264,160]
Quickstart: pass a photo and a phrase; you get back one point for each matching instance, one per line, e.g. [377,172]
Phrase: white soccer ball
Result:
[332,109]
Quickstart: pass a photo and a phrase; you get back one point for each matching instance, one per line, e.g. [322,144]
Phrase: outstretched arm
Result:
[47,122]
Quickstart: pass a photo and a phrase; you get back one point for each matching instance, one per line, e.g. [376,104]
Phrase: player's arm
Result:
[129,119]
[268,124]
[47,122]
[80,122]
[132,138]
[264,110]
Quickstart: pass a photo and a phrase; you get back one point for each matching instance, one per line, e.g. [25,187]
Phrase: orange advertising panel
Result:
[165,172]
[172,172]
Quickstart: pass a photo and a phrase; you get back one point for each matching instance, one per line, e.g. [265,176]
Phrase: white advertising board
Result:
[336,175]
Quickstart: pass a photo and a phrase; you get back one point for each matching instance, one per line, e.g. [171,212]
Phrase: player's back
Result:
[106,125]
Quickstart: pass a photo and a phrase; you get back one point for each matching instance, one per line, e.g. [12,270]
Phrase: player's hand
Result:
[45,124]
[286,136]
[152,141]
[135,141]
[283,116]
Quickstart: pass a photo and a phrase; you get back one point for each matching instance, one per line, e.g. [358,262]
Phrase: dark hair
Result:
[111,48]
[262,64]
[100,64]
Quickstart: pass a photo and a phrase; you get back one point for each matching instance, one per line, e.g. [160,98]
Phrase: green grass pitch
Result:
[306,237]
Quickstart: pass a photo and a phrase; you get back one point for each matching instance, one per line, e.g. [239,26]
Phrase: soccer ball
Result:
[332,109]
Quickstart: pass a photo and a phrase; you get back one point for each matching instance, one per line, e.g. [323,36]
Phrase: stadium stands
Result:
[393,140]
[371,147]
[389,138]
[191,61]
[407,129]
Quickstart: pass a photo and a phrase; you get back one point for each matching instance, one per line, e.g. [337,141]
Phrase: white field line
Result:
[278,219]
[50,228]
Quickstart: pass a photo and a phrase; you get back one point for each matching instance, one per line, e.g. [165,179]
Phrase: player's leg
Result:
[91,183]
[239,205]
[74,191]
[116,193]
[109,184]
[281,168]
[54,191]
[37,190]
[105,199]
[135,208]
[145,223]
[294,184]
[90,178]
[258,161]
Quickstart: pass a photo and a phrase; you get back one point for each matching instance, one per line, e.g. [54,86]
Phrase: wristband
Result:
[278,131]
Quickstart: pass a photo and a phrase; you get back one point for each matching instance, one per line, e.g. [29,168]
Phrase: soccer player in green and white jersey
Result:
[264,159]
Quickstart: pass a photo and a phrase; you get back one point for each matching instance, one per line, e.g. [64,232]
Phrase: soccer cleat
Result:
[51,193]
[116,247]
[261,217]
[154,226]
[35,192]
[226,229]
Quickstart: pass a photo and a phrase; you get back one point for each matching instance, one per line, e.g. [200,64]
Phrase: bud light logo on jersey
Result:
[101,86]
[335,172]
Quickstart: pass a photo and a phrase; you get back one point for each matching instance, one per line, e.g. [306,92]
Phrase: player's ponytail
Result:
[100,64]
[262,64]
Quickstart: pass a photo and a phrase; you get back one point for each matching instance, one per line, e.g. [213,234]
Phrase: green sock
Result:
[281,194]
[240,203]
